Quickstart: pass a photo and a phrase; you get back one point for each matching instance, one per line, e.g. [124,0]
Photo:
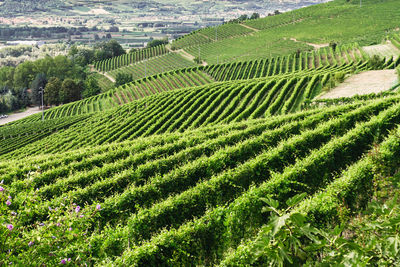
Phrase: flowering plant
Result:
[43,241]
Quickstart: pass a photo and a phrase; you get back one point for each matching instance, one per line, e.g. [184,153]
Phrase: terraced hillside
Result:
[196,192]
[347,58]
[130,58]
[337,21]
[154,65]
[173,168]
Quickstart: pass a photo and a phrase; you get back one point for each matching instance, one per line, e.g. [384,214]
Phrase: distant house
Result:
[33,43]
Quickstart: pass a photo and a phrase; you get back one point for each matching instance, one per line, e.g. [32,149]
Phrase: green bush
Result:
[339,76]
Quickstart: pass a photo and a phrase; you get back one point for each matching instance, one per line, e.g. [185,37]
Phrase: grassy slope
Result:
[185,198]
[334,21]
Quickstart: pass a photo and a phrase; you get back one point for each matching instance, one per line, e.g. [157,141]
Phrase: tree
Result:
[333,44]
[122,78]
[52,91]
[255,16]
[7,76]
[39,82]
[24,74]
[70,91]
[108,49]
[243,18]
[155,43]
[91,87]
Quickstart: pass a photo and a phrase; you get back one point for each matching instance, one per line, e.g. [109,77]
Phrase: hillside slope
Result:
[172,169]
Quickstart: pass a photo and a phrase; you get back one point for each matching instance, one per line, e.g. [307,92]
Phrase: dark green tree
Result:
[155,43]
[52,91]
[91,87]
[39,82]
[255,16]
[70,91]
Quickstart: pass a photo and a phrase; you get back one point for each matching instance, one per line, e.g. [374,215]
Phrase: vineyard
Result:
[127,59]
[325,62]
[272,35]
[229,167]
[186,165]
[155,65]
[395,39]
[210,34]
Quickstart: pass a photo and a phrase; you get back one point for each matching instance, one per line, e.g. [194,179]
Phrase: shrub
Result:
[376,62]
[339,76]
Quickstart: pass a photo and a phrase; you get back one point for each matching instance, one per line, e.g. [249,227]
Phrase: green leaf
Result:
[270,202]
[298,219]
[296,199]
[279,222]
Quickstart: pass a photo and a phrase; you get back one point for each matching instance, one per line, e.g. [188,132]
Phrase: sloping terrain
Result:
[171,169]
[364,83]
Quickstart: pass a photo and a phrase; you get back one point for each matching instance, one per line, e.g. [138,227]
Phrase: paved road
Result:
[20,115]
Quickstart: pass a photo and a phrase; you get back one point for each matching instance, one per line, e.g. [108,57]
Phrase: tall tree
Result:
[39,82]
[91,87]
[52,91]
[70,91]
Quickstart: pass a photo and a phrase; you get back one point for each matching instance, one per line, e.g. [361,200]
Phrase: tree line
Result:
[63,78]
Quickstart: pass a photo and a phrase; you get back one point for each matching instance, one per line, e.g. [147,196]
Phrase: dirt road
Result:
[374,81]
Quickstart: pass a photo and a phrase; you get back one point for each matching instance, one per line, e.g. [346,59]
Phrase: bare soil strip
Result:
[93,69]
[248,27]
[316,46]
[368,82]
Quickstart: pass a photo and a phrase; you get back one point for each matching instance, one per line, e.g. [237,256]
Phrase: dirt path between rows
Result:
[108,76]
[316,46]
[368,82]
[93,69]
[20,115]
[248,27]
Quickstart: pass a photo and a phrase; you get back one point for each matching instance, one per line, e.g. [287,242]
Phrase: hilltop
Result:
[220,151]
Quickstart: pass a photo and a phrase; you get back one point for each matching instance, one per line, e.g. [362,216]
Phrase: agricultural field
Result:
[236,161]
[324,62]
[154,65]
[318,24]
[130,58]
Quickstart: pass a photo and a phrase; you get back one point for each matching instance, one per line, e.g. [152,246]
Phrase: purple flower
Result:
[41,224]
[81,216]
[63,261]
[70,229]
[98,207]
[10,227]
[53,237]
[13,213]
[69,259]
[50,208]
[9,197]
[30,243]
[8,203]
[77,209]
[1,189]
[58,224]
